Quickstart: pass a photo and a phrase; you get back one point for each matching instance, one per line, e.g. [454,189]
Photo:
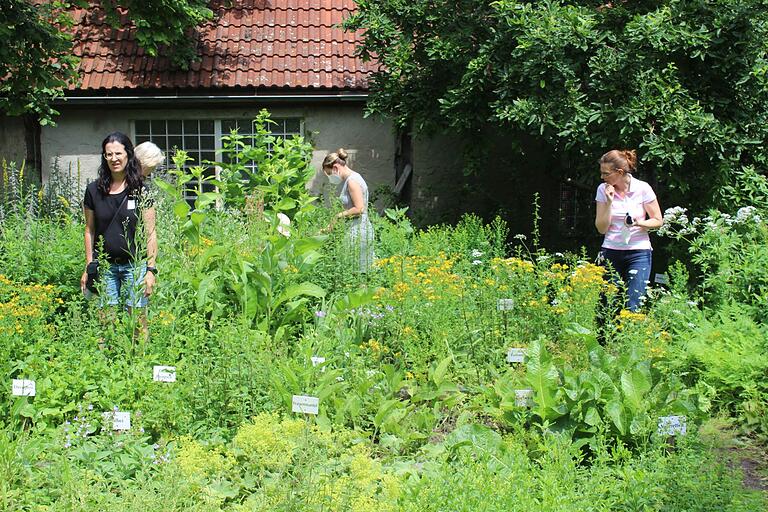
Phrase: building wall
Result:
[74,145]
[510,169]
[12,144]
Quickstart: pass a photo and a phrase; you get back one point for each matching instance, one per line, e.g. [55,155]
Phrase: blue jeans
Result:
[634,269]
[127,278]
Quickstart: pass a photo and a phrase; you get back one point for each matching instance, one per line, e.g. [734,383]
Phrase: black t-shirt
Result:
[118,236]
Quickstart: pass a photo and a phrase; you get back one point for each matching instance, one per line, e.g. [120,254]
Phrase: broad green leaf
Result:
[475,436]
[618,416]
[305,288]
[634,385]
[384,409]
[181,209]
[543,377]
[197,217]
[592,417]
[439,376]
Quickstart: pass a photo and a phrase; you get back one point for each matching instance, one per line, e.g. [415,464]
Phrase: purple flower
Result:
[390,308]
[320,314]
[90,407]
[67,444]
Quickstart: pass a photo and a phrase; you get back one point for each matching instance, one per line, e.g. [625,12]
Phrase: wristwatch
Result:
[152,269]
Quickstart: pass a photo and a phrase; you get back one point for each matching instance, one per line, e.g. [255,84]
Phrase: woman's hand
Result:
[83,280]
[149,283]
[609,192]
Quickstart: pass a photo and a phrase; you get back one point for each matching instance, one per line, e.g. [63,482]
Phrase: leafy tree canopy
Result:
[36,60]
[685,82]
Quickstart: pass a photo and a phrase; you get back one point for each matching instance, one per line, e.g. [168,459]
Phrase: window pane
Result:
[161,143]
[158,128]
[175,142]
[208,142]
[174,128]
[142,127]
[293,126]
[208,155]
[191,142]
[206,126]
[228,125]
[141,138]
[190,127]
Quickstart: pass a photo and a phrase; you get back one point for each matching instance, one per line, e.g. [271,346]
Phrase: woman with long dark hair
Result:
[113,205]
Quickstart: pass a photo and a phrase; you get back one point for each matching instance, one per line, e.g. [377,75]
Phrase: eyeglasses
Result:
[110,156]
[606,174]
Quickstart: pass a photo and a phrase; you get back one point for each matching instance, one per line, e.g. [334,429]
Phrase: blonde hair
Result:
[339,156]
[149,155]
[625,159]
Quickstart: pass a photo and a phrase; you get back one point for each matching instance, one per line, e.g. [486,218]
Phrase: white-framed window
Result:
[201,138]
[282,128]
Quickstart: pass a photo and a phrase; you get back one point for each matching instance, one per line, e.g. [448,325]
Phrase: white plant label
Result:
[661,279]
[673,426]
[516,355]
[164,373]
[23,387]
[505,305]
[131,204]
[305,404]
[121,420]
[523,397]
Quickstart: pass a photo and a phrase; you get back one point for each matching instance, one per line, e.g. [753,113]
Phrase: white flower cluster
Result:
[747,214]
[677,224]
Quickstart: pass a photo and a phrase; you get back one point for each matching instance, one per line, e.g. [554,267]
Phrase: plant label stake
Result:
[316,360]
[516,355]
[23,387]
[672,426]
[505,305]
[305,404]
[164,373]
[121,420]
[661,279]
[523,397]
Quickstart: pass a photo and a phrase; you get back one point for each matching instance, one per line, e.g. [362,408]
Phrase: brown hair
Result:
[625,159]
[340,156]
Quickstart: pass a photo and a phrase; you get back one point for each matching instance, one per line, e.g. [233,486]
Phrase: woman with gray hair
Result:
[149,157]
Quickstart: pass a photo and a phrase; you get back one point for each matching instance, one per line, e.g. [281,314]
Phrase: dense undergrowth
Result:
[418,407]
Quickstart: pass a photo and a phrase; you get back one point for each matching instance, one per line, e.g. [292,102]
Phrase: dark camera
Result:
[628,220]
[92,270]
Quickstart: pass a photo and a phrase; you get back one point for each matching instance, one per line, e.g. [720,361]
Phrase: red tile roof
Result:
[292,44]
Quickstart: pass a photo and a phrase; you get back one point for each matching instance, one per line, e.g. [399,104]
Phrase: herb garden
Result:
[470,370]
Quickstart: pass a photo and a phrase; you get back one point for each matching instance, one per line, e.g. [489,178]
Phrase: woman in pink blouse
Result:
[626,209]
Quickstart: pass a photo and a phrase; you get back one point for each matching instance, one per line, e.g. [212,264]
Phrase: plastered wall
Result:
[75,143]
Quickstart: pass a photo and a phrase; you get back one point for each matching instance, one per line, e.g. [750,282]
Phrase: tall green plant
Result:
[273,169]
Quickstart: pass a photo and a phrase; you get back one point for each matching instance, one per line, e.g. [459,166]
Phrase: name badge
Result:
[131,204]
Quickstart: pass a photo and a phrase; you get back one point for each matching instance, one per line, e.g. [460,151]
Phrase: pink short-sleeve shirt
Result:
[632,203]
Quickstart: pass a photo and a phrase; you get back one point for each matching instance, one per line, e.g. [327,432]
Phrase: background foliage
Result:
[683,82]
[36,59]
